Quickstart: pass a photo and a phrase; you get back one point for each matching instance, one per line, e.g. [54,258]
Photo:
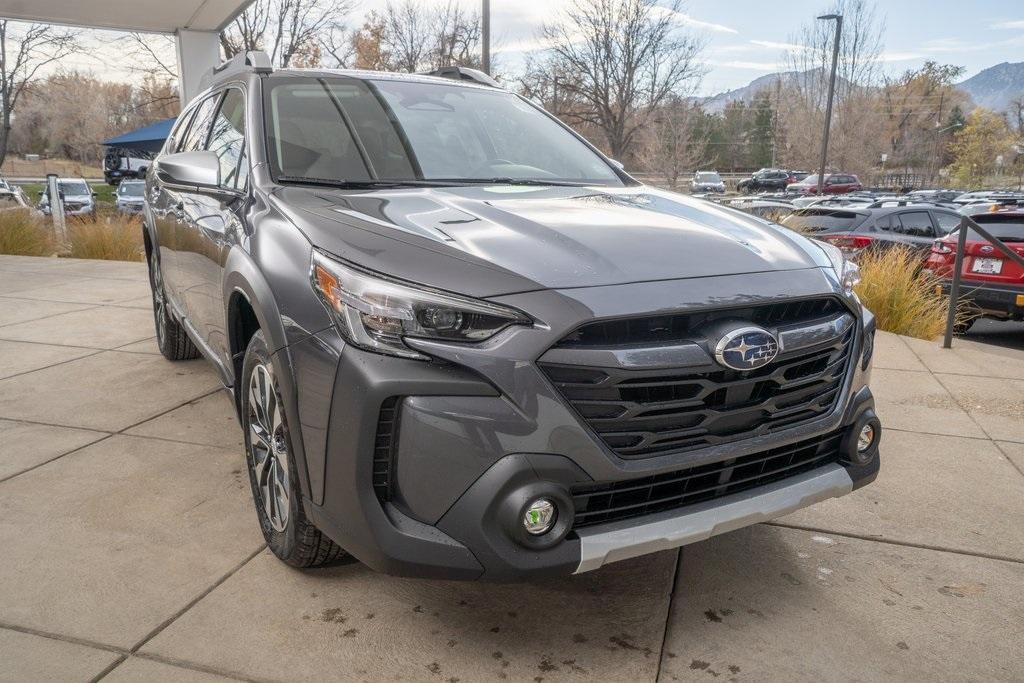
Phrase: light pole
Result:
[831,93]
[485,39]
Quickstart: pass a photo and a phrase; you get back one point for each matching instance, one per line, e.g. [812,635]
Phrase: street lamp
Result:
[485,40]
[838,18]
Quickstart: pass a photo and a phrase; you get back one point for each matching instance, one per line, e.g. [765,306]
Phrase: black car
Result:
[854,229]
[766,180]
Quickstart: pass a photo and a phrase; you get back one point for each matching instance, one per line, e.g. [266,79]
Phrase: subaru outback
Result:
[463,343]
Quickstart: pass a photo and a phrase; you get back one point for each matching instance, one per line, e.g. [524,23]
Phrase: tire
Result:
[171,338]
[270,461]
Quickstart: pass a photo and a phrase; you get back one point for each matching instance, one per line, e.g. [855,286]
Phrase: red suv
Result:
[835,183]
[992,282]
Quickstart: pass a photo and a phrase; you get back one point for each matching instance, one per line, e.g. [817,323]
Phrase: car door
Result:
[174,202]
[212,225]
[187,276]
[916,229]
[160,208]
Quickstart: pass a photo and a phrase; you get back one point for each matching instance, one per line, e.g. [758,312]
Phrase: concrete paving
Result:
[130,549]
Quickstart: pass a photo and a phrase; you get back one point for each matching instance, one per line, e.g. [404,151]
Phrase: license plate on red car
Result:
[987,266]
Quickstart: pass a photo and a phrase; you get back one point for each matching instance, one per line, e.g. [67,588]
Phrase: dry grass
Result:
[110,237]
[23,234]
[903,301]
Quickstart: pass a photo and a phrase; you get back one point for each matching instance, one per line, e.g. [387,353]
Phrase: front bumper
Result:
[996,301]
[482,429]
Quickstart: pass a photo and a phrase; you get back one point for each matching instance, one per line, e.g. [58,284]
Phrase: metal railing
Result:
[968,223]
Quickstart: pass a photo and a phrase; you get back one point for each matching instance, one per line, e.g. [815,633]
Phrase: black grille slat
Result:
[678,327]
[384,448]
[642,413]
[602,503]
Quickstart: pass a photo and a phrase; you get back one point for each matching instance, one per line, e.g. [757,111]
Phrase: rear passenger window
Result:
[227,140]
[195,138]
[884,223]
[916,224]
[947,222]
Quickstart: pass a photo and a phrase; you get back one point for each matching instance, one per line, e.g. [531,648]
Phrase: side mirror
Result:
[191,172]
[94,195]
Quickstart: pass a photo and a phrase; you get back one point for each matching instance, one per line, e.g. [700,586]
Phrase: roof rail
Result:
[250,61]
[464,73]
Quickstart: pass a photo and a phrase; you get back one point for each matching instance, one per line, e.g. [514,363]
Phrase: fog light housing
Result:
[866,438]
[540,516]
[860,445]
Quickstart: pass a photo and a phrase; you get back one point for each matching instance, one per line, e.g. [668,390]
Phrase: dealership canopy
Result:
[146,139]
[195,23]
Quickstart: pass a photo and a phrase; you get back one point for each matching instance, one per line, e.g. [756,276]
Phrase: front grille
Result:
[601,503]
[663,329]
[642,413]
[384,447]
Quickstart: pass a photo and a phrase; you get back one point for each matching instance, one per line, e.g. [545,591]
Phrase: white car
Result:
[79,199]
[707,181]
[131,196]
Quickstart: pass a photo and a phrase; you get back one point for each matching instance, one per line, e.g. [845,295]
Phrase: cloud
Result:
[767,67]
[687,20]
[1014,24]
[773,45]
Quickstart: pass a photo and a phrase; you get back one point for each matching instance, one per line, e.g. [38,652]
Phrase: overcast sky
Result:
[746,38]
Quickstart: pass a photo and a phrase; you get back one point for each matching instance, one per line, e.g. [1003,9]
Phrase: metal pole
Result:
[60,229]
[486,38]
[831,93]
[954,289]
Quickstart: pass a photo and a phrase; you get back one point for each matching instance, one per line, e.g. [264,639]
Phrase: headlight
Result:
[847,271]
[377,313]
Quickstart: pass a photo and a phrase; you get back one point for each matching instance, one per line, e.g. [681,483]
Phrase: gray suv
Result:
[463,343]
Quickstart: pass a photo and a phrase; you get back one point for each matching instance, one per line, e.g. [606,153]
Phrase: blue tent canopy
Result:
[146,139]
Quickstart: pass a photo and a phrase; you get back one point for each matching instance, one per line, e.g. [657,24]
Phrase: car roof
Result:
[366,75]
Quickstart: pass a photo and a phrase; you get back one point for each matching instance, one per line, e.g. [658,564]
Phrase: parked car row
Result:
[926,221]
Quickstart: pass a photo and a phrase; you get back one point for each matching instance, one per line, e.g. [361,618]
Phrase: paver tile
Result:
[767,603]
[110,541]
[916,401]
[24,444]
[103,327]
[27,657]
[19,357]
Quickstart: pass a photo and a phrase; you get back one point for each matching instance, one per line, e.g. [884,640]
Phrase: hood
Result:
[487,241]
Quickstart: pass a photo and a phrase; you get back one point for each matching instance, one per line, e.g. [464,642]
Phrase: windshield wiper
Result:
[359,184]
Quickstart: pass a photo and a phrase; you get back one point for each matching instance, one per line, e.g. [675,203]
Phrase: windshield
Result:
[130,189]
[350,130]
[707,178]
[1006,227]
[74,187]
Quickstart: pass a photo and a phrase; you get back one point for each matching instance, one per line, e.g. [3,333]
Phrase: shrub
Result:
[903,301]
[23,234]
[112,238]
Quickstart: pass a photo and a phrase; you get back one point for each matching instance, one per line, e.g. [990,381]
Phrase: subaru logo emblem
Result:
[986,249]
[746,348]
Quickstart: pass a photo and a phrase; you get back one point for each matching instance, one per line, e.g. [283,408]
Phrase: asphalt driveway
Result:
[129,549]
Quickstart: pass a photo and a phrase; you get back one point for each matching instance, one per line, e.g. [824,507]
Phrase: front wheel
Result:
[272,469]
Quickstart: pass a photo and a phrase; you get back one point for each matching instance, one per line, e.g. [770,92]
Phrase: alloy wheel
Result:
[159,301]
[268,449]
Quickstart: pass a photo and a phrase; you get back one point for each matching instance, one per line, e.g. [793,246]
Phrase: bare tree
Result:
[672,143]
[860,49]
[24,50]
[620,59]
[858,129]
[151,56]
[286,29]
[410,36]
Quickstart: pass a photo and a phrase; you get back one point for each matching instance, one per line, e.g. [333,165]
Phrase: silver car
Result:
[131,196]
[79,199]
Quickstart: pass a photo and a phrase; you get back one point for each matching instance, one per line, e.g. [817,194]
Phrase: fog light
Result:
[866,438]
[540,517]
